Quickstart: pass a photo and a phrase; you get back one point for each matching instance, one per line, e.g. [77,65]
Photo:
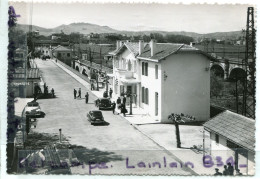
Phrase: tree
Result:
[180,119]
[216,84]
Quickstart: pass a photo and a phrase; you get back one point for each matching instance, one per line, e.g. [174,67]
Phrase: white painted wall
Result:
[187,86]
[154,85]
[221,149]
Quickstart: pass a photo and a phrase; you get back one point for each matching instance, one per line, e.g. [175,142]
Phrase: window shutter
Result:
[142,94]
[142,68]
[146,69]
[147,96]
[156,71]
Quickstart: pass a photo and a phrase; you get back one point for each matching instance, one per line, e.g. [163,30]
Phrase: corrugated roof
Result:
[236,128]
[32,73]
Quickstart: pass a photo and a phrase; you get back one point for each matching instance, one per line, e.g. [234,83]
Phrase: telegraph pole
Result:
[250,57]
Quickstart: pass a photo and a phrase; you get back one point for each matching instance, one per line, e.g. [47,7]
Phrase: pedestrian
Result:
[124,100]
[118,101]
[113,107]
[105,94]
[217,172]
[238,172]
[91,86]
[75,93]
[52,92]
[123,109]
[97,102]
[44,85]
[230,169]
[110,93]
[79,93]
[225,172]
[86,97]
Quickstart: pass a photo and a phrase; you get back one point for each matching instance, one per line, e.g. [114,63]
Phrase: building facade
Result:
[232,138]
[163,78]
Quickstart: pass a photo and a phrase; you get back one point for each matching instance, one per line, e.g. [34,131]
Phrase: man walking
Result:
[123,109]
[113,107]
[118,101]
[79,93]
[110,93]
[75,93]
[52,92]
[124,100]
[86,97]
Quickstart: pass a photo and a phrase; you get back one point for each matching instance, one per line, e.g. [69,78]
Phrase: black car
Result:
[104,103]
[35,114]
[95,117]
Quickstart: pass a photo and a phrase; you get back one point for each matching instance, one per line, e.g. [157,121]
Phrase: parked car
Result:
[95,117]
[105,103]
[35,114]
[33,105]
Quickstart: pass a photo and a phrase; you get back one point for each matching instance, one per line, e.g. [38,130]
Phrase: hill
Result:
[87,28]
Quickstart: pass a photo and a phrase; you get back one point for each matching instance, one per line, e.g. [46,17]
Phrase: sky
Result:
[138,17]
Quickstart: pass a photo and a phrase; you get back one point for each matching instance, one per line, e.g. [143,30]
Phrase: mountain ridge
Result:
[87,28]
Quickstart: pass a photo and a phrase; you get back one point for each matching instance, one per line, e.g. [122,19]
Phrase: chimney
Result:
[141,46]
[153,47]
[117,44]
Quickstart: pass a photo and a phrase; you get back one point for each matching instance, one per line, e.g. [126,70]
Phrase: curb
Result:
[60,63]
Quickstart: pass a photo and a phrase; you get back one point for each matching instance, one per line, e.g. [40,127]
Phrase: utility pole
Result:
[250,57]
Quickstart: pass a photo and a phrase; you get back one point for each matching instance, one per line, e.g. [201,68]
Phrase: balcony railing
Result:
[124,73]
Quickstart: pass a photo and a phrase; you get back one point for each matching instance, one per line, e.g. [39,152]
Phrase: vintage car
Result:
[95,117]
[105,103]
[35,114]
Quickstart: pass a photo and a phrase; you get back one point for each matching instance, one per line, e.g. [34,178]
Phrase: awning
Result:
[129,81]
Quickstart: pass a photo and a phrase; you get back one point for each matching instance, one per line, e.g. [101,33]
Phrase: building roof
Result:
[32,73]
[163,50]
[234,127]
[95,48]
[61,48]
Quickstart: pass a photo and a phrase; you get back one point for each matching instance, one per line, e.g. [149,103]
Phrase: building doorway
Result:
[156,104]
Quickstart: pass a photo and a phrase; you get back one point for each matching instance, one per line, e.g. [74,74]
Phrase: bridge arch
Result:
[237,73]
[217,70]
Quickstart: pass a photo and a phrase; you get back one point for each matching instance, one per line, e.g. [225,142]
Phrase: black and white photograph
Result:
[132,89]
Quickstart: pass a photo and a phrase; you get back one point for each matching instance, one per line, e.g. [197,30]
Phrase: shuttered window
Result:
[147,95]
[143,94]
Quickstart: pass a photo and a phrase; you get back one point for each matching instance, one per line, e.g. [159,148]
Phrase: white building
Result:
[232,137]
[165,78]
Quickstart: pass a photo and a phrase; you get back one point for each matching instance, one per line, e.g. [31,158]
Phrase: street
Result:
[116,143]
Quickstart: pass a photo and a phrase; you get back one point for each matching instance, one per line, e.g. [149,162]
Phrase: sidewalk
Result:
[139,115]
[164,136]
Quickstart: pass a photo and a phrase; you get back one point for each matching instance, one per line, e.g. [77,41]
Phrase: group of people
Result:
[46,90]
[79,94]
[75,93]
[228,170]
[120,106]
